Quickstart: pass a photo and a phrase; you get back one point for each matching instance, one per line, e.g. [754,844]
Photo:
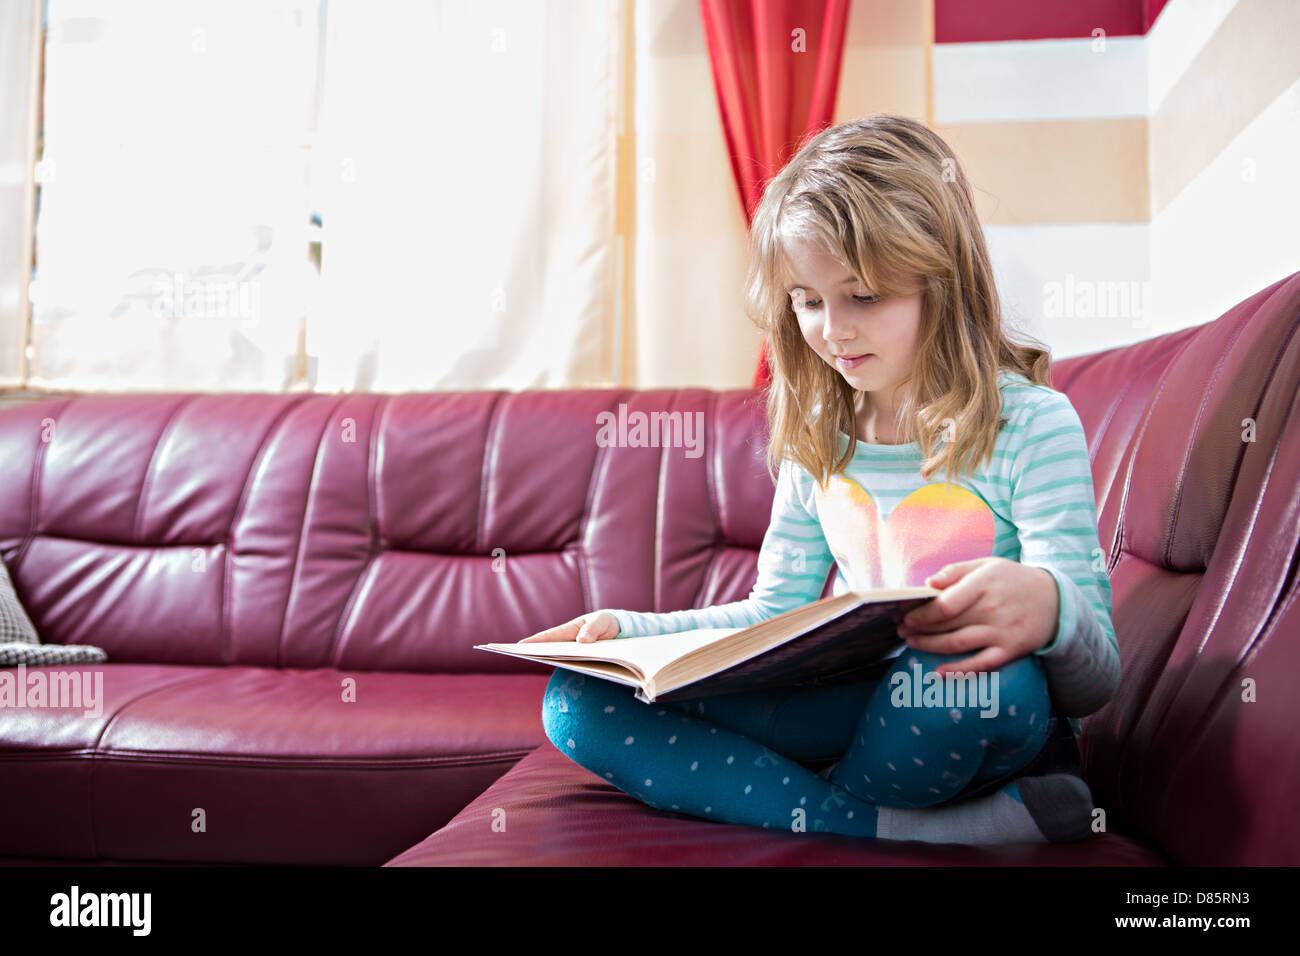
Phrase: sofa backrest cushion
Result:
[373,531]
[1195,442]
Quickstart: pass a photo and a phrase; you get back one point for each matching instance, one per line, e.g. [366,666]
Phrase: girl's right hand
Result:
[596,626]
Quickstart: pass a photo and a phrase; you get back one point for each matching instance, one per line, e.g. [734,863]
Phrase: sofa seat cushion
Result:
[548,811]
[274,763]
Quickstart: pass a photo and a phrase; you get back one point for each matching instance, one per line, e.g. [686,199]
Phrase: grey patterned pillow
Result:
[19,642]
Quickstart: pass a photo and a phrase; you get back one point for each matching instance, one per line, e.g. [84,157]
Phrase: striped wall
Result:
[1130,185]
[1224,122]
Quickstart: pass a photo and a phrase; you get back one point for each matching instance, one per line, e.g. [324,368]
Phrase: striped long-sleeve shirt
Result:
[882,525]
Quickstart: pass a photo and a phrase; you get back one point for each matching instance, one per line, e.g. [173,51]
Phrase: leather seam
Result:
[660,507]
[282,762]
[1167,557]
[334,646]
[585,577]
[302,526]
[38,468]
[153,456]
[1135,442]
[240,504]
[484,467]
[715,498]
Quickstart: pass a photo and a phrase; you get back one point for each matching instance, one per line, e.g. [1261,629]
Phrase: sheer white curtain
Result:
[172,234]
[465,176]
[19,19]
[463,159]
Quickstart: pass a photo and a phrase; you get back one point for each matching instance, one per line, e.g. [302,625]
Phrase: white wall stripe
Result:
[1076,287]
[1231,231]
[1180,33]
[1039,80]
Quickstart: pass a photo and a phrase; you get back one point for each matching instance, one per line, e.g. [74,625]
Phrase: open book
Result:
[827,641]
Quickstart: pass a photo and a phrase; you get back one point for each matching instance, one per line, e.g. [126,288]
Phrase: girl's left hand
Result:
[1006,608]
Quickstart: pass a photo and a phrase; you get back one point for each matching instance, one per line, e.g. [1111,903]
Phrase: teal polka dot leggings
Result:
[743,757]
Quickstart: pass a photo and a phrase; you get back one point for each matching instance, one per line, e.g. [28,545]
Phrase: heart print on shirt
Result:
[935,525]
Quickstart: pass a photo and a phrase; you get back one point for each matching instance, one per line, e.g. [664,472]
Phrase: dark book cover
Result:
[854,645]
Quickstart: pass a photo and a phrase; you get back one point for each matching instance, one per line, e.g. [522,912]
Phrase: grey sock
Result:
[1055,808]
[1061,805]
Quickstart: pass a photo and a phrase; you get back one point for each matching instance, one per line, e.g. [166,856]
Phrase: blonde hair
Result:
[886,197]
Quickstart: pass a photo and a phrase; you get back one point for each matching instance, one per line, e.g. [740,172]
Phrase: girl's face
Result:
[869,340]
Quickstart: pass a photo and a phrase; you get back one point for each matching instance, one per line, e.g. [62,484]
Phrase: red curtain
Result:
[776,69]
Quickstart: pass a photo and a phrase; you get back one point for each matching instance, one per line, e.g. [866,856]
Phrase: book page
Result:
[648,655]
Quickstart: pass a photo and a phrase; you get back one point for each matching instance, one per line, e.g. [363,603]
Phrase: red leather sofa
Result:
[289,587]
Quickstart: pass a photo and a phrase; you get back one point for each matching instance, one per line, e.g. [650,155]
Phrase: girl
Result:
[869,274]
